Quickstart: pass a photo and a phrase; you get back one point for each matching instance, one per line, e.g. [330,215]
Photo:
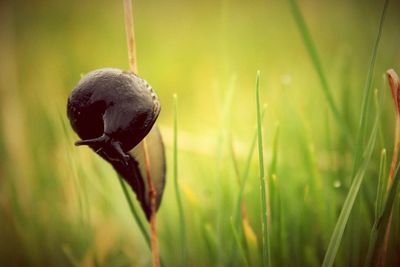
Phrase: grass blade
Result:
[265,235]
[135,216]
[362,128]
[245,174]
[312,51]
[337,234]
[134,212]
[176,185]
[361,158]
[379,229]
[239,243]
[241,221]
[272,168]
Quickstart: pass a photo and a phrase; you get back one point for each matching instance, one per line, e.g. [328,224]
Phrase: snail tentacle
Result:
[94,141]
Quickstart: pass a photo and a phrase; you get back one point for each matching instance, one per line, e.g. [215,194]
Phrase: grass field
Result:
[314,127]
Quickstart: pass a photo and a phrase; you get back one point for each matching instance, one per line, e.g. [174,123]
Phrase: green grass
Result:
[176,185]
[381,224]
[263,180]
[315,59]
[362,156]
[323,142]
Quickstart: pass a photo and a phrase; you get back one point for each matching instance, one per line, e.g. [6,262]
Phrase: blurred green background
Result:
[62,206]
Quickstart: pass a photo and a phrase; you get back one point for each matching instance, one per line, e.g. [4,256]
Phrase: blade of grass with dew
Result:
[341,223]
[244,178]
[312,51]
[379,229]
[358,168]
[242,223]
[176,185]
[239,243]
[265,233]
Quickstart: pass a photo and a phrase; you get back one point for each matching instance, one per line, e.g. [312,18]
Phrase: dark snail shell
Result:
[112,111]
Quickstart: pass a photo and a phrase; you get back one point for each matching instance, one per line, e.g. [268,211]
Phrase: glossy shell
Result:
[112,111]
[119,104]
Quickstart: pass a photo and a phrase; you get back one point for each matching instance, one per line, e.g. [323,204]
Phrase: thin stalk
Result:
[341,223]
[246,171]
[312,51]
[395,155]
[134,212]
[265,234]
[389,183]
[239,208]
[362,128]
[136,217]
[239,243]
[130,37]
[361,159]
[380,226]
[394,84]
[177,190]
[153,216]
[245,217]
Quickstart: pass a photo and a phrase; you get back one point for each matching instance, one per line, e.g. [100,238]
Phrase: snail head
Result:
[106,146]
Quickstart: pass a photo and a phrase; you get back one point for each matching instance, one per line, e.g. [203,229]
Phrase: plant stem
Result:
[130,35]
[153,216]
[130,38]
[361,158]
[177,191]
[133,210]
[265,234]
[394,86]
[314,56]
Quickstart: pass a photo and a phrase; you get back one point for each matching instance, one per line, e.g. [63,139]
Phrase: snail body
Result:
[112,111]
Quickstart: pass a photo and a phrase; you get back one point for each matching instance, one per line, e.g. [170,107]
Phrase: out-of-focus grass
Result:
[62,206]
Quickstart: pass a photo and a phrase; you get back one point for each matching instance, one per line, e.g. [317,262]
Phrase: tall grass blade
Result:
[272,168]
[239,243]
[379,229]
[239,220]
[134,211]
[312,51]
[219,189]
[244,217]
[361,158]
[245,174]
[362,127]
[136,217]
[176,185]
[265,235]
[337,234]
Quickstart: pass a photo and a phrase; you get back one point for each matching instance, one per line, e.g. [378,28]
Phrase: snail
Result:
[112,111]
